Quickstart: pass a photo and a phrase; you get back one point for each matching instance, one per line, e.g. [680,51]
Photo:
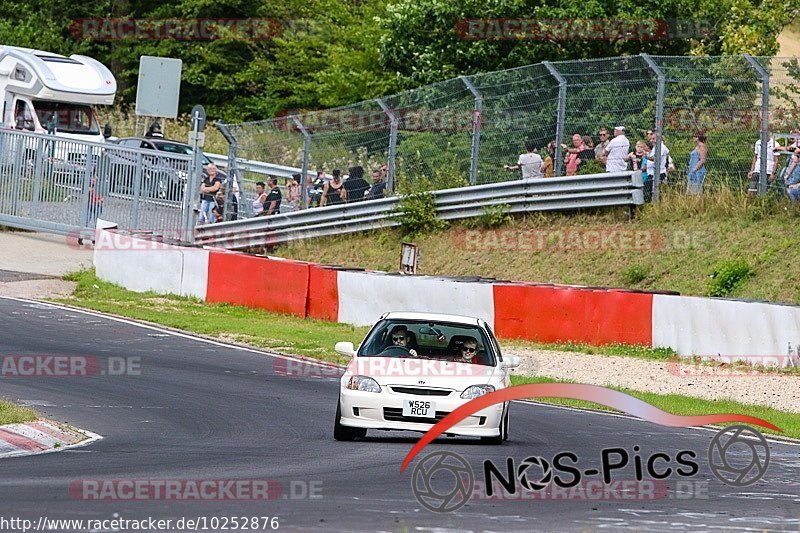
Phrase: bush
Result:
[727,276]
[492,216]
[417,214]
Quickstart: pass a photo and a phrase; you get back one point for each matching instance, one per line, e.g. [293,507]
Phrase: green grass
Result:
[623,350]
[15,414]
[282,333]
[682,405]
[690,238]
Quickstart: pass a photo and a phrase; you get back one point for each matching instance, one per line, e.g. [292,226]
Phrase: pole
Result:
[765,152]
[561,116]
[392,143]
[304,171]
[477,118]
[660,90]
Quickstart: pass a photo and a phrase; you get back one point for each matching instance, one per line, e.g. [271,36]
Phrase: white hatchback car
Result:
[413,369]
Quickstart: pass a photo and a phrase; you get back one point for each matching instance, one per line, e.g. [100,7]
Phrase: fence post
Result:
[477,118]
[764,76]
[392,143]
[245,207]
[304,171]
[37,177]
[659,126]
[561,117]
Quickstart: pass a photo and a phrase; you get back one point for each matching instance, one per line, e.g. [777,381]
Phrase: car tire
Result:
[345,433]
[502,436]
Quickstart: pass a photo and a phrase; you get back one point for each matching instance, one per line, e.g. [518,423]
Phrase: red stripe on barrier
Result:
[564,314]
[323,293]
[259,282]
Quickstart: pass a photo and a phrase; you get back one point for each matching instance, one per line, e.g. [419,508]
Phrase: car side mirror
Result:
[107,131]
[510,361]
[345,348]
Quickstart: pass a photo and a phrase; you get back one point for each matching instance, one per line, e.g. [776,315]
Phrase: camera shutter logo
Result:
[447,467]
[738,455]
[544,479]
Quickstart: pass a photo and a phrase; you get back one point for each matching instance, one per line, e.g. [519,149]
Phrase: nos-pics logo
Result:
[444,481]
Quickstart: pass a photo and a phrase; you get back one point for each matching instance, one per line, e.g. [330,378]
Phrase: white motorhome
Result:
[44,92]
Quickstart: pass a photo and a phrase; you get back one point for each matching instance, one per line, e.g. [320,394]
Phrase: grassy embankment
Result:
[313,338]
[720,245]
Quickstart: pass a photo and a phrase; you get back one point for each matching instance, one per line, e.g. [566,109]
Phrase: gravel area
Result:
[38,289]
[686,378]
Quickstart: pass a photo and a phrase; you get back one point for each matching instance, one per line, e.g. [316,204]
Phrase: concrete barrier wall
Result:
[365,296]
[546,313]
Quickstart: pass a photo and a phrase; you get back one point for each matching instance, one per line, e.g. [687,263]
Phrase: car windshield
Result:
[429,340]
[66,117]
[176,148]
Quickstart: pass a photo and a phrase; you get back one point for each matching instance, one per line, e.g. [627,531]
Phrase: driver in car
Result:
[469,352]
[400,337]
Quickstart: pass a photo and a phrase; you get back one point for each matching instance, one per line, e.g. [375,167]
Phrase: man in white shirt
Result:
[616,151]
[651,158]
[530,163]
[755,165]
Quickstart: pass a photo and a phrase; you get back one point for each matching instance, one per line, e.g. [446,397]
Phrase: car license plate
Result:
[419,408]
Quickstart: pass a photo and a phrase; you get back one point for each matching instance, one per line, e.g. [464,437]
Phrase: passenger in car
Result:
[469,352]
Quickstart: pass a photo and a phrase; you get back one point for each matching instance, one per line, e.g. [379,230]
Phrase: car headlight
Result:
[363,383]
[476,390]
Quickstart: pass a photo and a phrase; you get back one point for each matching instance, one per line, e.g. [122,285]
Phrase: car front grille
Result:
[421,391]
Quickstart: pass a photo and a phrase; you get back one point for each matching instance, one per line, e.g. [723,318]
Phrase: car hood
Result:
[428,372]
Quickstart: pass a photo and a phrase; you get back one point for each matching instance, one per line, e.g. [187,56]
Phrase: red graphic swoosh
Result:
[591,393]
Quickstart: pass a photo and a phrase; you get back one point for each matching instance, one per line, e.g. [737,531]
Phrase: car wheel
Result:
[503,435]
[345,433]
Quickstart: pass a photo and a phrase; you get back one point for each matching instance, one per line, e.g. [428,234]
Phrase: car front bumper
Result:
[383,410]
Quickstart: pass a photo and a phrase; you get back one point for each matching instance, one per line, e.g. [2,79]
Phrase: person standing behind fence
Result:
[573,158]
[547,163]
[651,158]
[261,197]
[272,204]
[208,189]
[530,163]
[334,192]
[616,151]
[754,176]
[293,191]
[697,165]
[94,208]
[601,145]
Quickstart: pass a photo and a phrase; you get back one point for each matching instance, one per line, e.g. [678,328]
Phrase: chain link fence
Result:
[466,130]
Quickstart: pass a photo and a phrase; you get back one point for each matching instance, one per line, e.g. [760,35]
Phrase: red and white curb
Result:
[41,436]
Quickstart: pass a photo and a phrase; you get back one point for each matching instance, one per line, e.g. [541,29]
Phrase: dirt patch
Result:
[38,289]
[685,378]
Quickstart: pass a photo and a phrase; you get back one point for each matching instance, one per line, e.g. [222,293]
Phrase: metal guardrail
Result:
[258,167]
[617,189]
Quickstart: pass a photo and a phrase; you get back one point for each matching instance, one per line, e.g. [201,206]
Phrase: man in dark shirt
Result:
[355,184]
[378,189]
[273,202]
[208,190]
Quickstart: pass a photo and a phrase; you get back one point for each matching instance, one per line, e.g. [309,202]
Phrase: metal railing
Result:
[60,185]
[553,194]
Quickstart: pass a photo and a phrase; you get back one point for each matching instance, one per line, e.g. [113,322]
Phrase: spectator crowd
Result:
[613,152]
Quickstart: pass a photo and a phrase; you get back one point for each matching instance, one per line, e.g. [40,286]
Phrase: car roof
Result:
[434,317]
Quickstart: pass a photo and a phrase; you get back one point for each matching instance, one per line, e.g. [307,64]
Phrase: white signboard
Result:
[159,87]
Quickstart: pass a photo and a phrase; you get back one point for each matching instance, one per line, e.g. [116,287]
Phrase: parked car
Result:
[164,177]
[445,361]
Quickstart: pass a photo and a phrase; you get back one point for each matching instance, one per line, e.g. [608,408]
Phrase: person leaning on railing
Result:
[530,163]
[793,175]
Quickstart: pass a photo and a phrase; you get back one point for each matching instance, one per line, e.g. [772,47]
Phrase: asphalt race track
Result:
[204,411]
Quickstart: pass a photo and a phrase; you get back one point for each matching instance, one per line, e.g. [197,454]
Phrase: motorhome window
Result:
[23,117]
[69,118]
[55,59]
